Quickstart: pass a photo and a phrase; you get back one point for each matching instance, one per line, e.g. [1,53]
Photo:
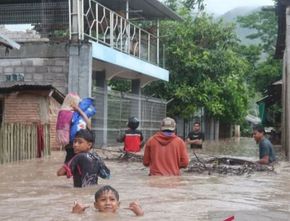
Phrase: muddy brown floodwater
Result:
[30,190]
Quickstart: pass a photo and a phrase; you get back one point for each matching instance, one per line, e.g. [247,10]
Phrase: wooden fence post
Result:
[19,141]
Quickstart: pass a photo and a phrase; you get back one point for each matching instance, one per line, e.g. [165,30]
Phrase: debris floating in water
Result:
[119,155]
[226,166]
[132,157]
[201,165]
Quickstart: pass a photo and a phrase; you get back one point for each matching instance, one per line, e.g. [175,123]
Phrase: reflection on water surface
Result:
[30,190]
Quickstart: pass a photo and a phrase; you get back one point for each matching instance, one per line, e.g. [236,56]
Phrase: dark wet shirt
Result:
[266,149]
[85,169]
[195,136]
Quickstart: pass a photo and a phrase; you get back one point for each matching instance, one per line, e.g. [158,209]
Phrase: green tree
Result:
[264,23]
[122,85]
[205,69]
[265,69]
[188,4]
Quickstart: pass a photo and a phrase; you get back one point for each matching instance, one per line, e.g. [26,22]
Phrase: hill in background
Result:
[242,33]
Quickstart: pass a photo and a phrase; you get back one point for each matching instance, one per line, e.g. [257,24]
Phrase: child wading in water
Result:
[107,201]
[85,166]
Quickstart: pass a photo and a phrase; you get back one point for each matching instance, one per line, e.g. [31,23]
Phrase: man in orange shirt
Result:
[165,153]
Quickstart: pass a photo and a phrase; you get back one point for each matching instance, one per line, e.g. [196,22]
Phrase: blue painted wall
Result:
[115,57]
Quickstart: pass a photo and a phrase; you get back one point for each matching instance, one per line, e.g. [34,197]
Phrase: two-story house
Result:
[80,45]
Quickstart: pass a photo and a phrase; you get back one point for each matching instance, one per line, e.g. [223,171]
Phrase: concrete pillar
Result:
[237,131]
[75,18]
[80,69]
[232,131]
[211,128]
[206,126]
[101,123]
[136,105]
[216,129]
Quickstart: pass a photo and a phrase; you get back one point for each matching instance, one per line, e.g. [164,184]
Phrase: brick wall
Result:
[26,108]
[22,108]
[53,112]
[38,63]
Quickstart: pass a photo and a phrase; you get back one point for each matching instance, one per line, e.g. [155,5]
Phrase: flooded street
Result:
[30,190]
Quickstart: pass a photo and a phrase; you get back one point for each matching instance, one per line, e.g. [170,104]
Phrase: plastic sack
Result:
[63,126]
[77,122]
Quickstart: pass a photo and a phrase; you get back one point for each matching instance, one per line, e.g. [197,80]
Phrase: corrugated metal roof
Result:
[9,87]
[24,1]
[148,9]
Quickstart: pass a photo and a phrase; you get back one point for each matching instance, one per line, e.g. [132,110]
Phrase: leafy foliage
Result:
[205,69]
[264,22]
[264,69]
[266,73]
[188,4]
[120,85]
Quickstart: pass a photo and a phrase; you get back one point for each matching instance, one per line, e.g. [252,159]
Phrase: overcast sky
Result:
[222,6]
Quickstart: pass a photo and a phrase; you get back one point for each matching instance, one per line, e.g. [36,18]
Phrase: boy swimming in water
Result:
[107,201]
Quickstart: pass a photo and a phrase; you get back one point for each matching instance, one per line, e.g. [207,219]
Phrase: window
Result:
[15,77]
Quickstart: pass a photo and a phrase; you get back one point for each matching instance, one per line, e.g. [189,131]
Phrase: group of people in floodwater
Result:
[165,154]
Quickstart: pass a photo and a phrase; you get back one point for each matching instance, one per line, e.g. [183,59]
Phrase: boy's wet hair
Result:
[259,128]
[104,189]
[86,134]
[196,122]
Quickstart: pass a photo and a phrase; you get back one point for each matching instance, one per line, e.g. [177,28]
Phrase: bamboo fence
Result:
[19,142]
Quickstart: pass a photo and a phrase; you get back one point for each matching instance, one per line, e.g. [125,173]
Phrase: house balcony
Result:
[102,25]
[118,44]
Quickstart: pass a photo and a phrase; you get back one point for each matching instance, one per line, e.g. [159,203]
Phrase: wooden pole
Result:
[1,144]
[287,83]
[34,140]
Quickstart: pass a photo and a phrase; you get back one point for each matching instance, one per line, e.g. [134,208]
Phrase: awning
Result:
[9,87]
[8,42]
[253,119]
[273,94]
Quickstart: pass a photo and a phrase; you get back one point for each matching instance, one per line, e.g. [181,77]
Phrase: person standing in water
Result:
[165,153]
[266,151]
[195,137]
[132,137]
[86,166]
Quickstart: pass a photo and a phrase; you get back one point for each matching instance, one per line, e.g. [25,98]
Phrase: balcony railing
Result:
[98,23]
